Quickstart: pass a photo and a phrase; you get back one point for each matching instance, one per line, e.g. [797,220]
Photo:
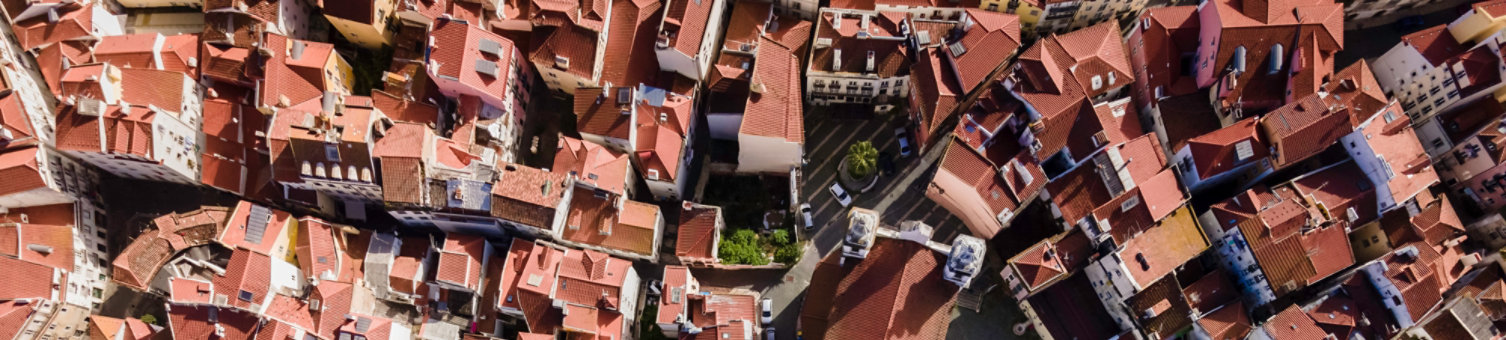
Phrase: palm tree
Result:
[862,159]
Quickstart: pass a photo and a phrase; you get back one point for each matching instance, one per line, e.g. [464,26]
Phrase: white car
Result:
[805,212]
[841,195]
[904,141]
[767,311]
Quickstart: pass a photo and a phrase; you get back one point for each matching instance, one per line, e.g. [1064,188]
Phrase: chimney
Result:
[836,60]
[864,24]
[870,61]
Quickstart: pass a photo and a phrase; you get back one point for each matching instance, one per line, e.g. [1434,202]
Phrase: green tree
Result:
[862,159]
[741,247]
[780,237]
[148,319]
[789,253]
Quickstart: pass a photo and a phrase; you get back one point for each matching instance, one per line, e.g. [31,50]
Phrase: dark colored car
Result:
[886,163]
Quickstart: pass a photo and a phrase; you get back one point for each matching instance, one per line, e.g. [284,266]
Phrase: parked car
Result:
[904,141]
[841,195]
[768,333]
[805,212]
[767,314]
[886,163]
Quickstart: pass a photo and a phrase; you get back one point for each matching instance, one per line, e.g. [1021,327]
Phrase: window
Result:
[245,296]
[332,152]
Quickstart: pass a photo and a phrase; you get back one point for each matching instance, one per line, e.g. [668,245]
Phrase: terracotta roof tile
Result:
[246,280]
[1228,322]
[74,22]
[1220,151]
[1157,49]
[574,43]
[594,220]
[1339,188]
[21,170]
[190,290]
[1208,293]
[633,37]
[1292,323]
[699,230]
[26,279]
[1068,313]
[1302,129]
[1164,298]
[1434,43]
[599,112]
[897,291]
[687,19]
[772,109]
[890,56]
[1410,168]
[194,322]
[50,245]
[592,164]
[527,195]
[457,51]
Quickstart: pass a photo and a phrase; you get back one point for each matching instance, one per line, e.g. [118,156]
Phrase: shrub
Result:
[862,159]
[148,319]
[780,237]
[742,248]
[789,254]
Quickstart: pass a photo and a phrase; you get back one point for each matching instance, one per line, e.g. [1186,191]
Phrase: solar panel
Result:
[256,224]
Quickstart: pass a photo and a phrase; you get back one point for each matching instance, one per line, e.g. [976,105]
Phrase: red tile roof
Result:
[190,290]
[193,322]
[593,164]
[632,38]
[246,280]
[574,43]
[989,31]
[1417,276]
[972,187]
[460,261]
[51,245]
[74,22]
[1164,299]
[1302,129]
[30,280]
[1289,257]
[1357,89]
[1317,27]
[685,23]
[1434,43]
[897,291]
[335,300]
[281,80]
[317,248]
[237,235]
[1057,74]
[20,169]
[1208,293]
[1411,170]
[1219,151]
[591,278]
[140,260]
[599,111]
[1038,265]
[529,196]
[1292,323]
[1228,322]
[1157,46]
[404,110]
[773,109]
[661,141]
[698,231]
[1339,188]
[890,56]
[614,222]
[456,49]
